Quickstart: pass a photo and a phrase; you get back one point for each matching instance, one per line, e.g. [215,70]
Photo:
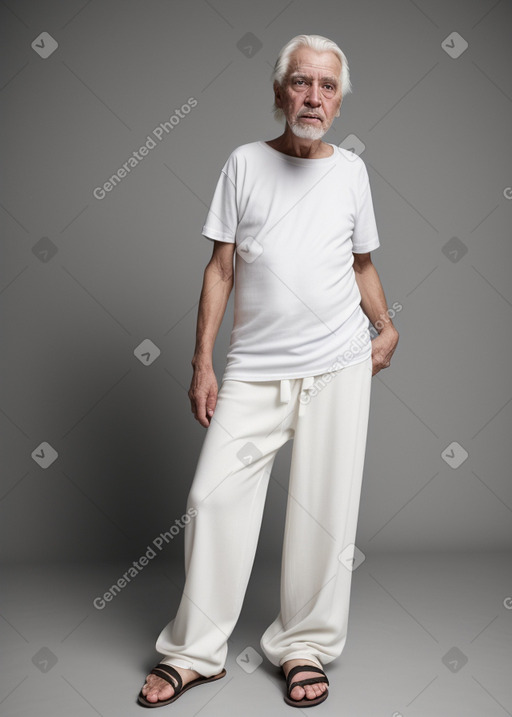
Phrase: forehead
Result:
[311,62]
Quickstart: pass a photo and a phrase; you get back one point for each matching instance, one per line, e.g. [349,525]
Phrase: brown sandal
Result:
[167,673]
[299,683]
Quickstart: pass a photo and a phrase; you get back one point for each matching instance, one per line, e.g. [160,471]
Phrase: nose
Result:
[313,96]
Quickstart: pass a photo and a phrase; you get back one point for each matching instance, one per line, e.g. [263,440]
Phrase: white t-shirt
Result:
[295,223]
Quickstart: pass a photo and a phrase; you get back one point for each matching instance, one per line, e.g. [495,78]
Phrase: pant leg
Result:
[321,520]
[228,491]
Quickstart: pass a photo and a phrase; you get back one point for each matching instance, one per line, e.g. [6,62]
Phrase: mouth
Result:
[310,118]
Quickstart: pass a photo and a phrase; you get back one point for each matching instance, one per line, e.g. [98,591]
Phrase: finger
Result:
[201,412]
[195,411]
[210,405]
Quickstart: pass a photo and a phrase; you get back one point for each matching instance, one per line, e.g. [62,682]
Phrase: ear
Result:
[278,95]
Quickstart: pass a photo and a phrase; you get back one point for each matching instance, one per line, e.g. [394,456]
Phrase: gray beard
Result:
[307,131]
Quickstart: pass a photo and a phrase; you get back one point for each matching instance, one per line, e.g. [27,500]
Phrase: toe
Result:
[160,694]
[157,690]
[308,692]
[297,693]
[315,690]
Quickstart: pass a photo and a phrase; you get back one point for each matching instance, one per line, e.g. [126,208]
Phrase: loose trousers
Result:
[327,418]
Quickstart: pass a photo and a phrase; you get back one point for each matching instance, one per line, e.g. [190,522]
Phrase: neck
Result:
[289,143]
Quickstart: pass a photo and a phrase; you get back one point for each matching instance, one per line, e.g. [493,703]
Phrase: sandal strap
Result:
[167,672]
[310,681]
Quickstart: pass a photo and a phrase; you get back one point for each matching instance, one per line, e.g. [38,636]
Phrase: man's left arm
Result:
[373,303]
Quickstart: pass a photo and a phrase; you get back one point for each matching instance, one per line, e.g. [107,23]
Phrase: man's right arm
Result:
[217,285]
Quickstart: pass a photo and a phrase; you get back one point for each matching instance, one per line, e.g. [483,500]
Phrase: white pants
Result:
[328,421]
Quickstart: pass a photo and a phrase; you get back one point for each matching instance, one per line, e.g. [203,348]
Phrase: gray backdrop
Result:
[86,280]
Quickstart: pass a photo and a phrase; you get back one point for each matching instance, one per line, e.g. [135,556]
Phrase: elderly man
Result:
[299,213]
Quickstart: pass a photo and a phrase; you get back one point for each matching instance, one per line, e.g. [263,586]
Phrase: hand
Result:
[383,348]
[203,394]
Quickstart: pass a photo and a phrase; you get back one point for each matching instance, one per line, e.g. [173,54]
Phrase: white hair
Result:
[315,42]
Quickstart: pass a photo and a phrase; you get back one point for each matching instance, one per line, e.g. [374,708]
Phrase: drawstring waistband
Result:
[285,392]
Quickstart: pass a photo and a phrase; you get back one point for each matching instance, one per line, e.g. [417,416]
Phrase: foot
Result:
[309,692]
[156,689]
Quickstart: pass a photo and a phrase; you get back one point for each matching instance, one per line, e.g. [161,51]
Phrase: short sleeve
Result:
[222,218]
[365,236]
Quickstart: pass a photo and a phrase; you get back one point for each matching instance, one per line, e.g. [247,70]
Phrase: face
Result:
[311,93]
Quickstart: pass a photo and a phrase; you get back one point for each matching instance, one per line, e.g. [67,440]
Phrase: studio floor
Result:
[430,635]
